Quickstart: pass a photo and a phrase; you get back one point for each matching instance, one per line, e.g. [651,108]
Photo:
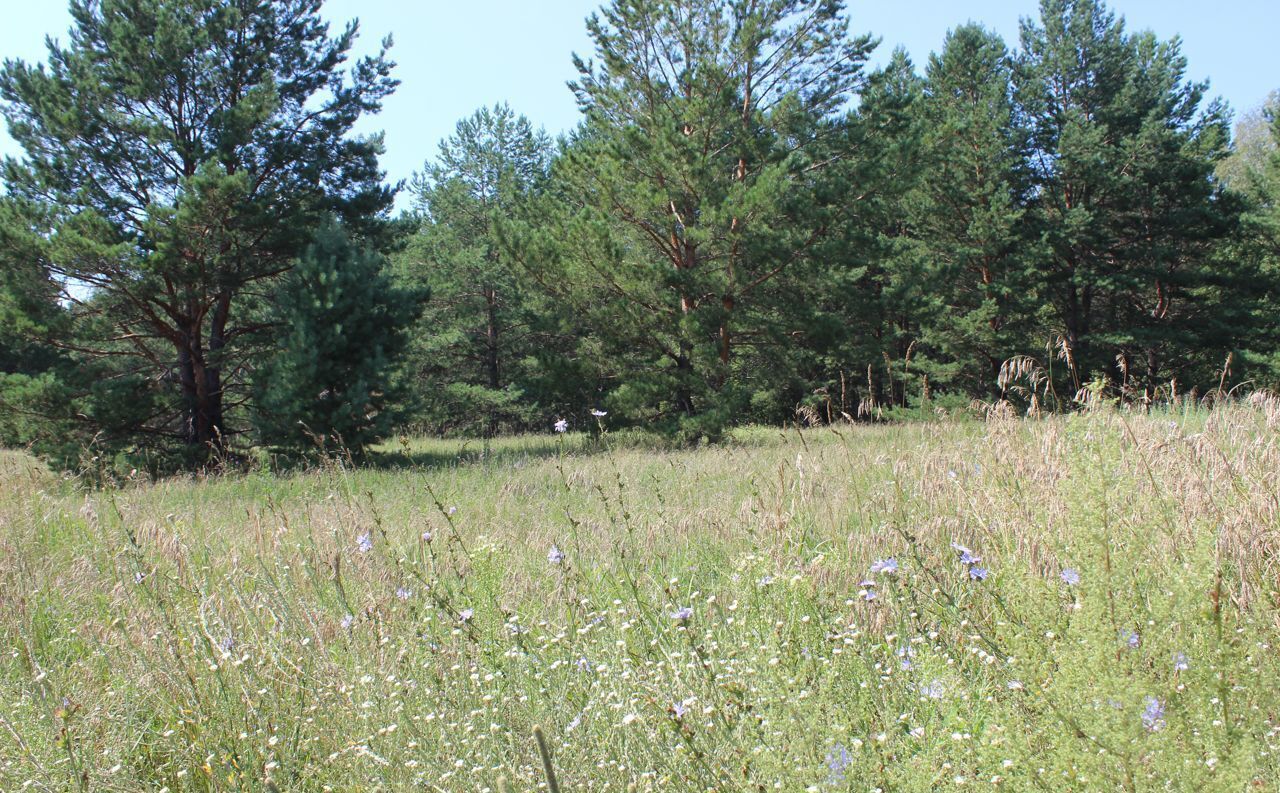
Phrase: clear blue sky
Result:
[456,56]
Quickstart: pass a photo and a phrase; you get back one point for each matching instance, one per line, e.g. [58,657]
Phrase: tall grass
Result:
[709,619]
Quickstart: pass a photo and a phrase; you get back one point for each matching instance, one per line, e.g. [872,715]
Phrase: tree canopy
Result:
[749,224]
[177,156]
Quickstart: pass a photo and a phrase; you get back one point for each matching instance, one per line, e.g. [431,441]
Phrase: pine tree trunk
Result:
[202,395]
[684,358]
[200,375]
[491,350]
[684,378]
[728,301]
[725,339]
[1077,327]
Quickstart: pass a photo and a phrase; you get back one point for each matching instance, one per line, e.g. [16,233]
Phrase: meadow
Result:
[1085,602]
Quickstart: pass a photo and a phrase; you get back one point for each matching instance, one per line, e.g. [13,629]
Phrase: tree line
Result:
[749,224]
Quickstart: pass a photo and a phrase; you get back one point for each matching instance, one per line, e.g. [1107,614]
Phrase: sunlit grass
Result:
[713,624]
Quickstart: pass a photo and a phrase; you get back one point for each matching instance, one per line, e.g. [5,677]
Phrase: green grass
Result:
[230,634]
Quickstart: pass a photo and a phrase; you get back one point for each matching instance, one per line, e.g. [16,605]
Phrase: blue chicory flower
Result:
[1153,714]
[838,762]
[887,566]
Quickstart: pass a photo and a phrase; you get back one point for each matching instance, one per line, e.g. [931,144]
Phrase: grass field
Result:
[703,619]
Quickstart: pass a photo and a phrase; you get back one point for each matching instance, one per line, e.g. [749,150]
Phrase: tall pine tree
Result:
[859,302]
[693,175]
[480,347]
[1124,199]
[968,212]
[178,154]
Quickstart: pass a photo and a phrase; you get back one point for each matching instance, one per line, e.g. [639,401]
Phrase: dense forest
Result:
[749,225]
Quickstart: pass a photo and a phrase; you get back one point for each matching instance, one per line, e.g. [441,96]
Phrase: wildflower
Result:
[599,413]
[364,543]
[1130,638]
[765,580]
[906,652]
[453,510]
[682,614]
[1070,575]
[868,594]
[139,577]
[978,573]
[347,622]
[404,593]
[562,425]
[679,709]
[967,557]
[1153,715]
[584,665]
[555,555]
[887,566]
[226,644]
[466,614]
[838,761]
[1180,662]
[426,536]
[516,629]
[934,689]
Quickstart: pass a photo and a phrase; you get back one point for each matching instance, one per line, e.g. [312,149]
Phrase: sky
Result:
[456,56]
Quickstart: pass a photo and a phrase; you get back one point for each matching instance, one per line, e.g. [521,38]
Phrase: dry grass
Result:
[192,635]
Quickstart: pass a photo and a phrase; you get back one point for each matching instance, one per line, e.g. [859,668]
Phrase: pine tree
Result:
[479,347]
[178,154]
[1256,252]
[331,383]
[857,312]
[968,213]
[29,310]
[693,177]
[1125,199]
[28,313]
